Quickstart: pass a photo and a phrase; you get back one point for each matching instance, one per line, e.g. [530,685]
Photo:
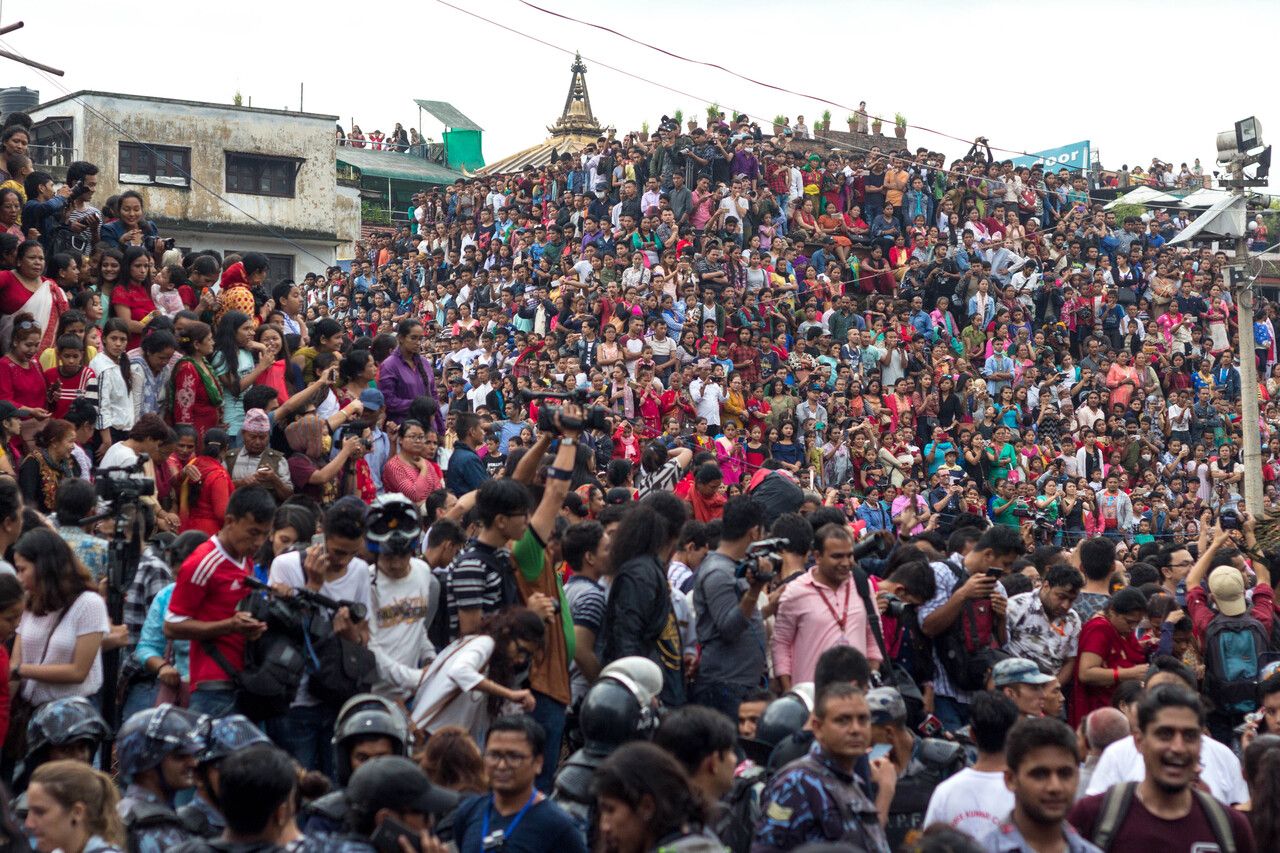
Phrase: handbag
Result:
[21,709]
[179,696]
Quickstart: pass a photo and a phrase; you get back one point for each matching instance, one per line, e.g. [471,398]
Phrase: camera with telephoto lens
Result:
[125,483]
[766,550]
[1229,519]
[593,417]
[151,243]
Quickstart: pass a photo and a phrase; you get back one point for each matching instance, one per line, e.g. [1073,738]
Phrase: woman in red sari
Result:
[202,503]
[24,289]
[194,390]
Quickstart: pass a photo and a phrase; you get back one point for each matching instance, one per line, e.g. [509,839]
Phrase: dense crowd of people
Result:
[702,492]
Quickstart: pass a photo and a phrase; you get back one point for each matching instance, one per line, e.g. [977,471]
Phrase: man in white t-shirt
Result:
[332,569]
[405,594]
[975,800]
[1219,767]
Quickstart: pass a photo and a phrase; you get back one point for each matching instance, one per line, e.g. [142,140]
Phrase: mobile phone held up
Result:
[386,838]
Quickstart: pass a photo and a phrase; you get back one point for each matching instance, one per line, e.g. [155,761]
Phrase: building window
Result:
[255,174]
[51,142]
[164,165]
[279,267]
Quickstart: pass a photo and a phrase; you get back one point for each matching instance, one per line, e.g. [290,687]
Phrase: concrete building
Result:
[214,176]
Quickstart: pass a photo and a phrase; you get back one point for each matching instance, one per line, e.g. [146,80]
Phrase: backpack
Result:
[438,628]
[339,668]
[273,663]
[1234,647]
[1118,798]
[967,649]
[740,811]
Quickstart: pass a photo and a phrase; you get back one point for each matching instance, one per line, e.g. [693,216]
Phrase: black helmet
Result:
[393,525]
[225,735]
[367,715]
[65,721]
[782,717]
[613,712]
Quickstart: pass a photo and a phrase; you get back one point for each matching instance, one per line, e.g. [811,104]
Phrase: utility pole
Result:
[1242,293]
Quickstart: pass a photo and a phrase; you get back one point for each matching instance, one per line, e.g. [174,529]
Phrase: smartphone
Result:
[880,750]
[995,572]
[930,726]
[386,838]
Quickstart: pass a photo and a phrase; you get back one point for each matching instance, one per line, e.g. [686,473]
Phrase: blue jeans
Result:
[953,714]
[550,715]
[141,695]
[306,733]
[215,698]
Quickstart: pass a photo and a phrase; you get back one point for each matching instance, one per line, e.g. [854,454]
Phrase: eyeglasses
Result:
[511,759]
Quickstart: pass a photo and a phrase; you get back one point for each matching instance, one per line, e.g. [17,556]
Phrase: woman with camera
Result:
[470,680]
[132,228]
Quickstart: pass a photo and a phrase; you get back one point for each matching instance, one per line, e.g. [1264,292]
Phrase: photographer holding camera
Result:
[330,568]
[727,604]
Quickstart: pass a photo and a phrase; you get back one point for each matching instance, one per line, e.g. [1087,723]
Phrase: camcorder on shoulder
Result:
[766,550]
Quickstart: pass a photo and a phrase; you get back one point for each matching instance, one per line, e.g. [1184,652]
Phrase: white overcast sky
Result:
[1137,78]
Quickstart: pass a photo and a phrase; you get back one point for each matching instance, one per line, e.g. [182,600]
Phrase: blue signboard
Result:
[1073,156]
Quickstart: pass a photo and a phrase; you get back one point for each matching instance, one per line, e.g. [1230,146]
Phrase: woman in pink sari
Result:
[25,289]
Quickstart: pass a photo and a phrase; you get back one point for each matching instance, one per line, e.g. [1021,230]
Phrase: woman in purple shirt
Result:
[406,374]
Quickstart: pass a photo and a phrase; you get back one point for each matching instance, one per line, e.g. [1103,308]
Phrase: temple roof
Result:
[575,127]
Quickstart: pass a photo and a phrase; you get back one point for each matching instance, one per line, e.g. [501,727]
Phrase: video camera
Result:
[124,483]
[357,610]
[762,549]
[594,417]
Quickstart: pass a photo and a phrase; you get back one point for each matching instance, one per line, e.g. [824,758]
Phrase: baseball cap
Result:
[886,706]
[372,399]
[397,783]
[1018,671]
[1227,585]
[7,410]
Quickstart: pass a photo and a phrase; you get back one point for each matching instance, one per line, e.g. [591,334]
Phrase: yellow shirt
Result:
[49,358]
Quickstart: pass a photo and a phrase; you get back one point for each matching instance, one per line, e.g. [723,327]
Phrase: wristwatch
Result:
[566,440]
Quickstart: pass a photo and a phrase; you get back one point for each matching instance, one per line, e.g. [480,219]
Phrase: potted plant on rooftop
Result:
[876,125]
[779,124]
[900,126]
[644,131]
[852,118]
[826,121]
[678,118]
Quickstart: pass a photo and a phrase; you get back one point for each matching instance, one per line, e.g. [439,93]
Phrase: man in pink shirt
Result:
[821,610]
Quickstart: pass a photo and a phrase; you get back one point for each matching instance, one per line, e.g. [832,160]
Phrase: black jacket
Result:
[639,620]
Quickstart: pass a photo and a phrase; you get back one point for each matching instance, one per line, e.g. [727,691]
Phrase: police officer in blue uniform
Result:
[222,737]
[818,798]
[156,750]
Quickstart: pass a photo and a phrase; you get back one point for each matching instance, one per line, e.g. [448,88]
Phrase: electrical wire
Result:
[190,177]
[732,73]
[835,143]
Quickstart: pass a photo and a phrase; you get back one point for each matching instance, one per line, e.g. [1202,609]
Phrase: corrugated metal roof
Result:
[398,167]
[448,115]
[538,155]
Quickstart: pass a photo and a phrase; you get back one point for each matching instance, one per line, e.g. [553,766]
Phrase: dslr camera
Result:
[593,417]
[1229,519]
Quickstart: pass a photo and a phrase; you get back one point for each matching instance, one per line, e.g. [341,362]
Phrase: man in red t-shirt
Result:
[210,585]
